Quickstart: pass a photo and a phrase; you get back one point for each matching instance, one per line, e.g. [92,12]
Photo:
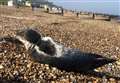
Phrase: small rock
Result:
[15,73]
[89,82]
[1,67]
[118,62]
[96,81]
[42,65]
[39,81]
[117,48]
[112,80]
[104,80]
[29,65]
[19,55]
[96,70]
[54,69]
[40,72]
[5,51]
[64,81]
[52,81]
[67,76]
[47,68]
[46,65]
[25,77]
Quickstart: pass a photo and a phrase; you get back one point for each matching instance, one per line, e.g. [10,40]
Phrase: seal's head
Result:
[30,35]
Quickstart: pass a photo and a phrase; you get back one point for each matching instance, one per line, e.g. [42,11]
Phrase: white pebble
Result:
[1,67]
[118,62]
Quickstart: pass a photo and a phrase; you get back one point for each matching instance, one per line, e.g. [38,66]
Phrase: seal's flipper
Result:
[10,39]
[98,62]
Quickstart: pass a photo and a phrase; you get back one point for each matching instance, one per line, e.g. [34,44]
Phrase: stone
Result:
[1,66]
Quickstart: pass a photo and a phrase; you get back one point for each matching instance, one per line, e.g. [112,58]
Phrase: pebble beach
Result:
[94,36]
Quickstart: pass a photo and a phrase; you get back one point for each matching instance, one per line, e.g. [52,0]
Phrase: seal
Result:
[45,50]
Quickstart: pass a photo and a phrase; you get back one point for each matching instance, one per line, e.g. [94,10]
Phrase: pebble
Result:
[1,66]
[118,62]
[112,80]
[64,81]
[89,82]
[52,81]
[47,68]
[5,51]
[53,68]
[16,73]
[104,80]
[29,65]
